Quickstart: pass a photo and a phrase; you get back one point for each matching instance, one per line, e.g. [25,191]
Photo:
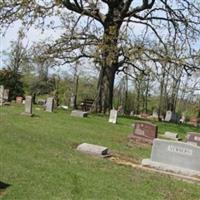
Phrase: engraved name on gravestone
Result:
[176,156]
[50,104]
[113,116]
[144,132]
[1,94]
[193,138]
[28,105]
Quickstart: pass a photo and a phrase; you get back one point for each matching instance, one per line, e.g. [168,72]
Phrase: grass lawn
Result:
[39,160]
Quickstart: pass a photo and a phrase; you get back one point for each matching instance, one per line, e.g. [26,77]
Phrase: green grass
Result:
[39,160]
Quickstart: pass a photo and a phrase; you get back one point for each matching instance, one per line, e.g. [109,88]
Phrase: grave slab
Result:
[79,113]
[93,149]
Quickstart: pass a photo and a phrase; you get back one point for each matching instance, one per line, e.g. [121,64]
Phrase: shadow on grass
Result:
[3,187]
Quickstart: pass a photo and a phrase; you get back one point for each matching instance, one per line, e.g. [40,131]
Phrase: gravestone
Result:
[193,138]
[6,94]
[171,136]
[50,104]
[1,94]
[174,156]
[72,101]
[113,116]
[79,113]
[195,121]
[19,99]
[171,117]
[93,149]
[155,113]
[28,106]
[144,132]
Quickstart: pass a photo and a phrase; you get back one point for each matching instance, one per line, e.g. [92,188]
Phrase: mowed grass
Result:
[38,158]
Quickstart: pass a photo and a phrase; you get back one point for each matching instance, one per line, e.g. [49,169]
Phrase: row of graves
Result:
[170,154]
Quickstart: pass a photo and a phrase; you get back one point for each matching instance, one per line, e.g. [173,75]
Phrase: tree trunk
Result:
[109,65]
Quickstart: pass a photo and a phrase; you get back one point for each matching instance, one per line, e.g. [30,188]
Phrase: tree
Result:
[114,17]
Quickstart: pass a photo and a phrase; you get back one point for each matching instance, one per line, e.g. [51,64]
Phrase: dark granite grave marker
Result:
[193,138]
[144,132]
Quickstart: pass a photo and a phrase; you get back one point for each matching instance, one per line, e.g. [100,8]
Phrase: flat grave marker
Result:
[79,113]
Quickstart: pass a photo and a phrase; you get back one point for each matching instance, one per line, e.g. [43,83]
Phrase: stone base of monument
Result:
[27,114]
[170,168]
[140,139]
[79,113]
[95,150]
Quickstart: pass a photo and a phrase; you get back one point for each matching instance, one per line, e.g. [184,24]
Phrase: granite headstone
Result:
[144,132]
[1,94]
[193,138]
[178,157]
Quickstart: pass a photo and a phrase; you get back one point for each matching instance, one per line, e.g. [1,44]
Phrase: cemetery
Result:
[75,152]
[100,100]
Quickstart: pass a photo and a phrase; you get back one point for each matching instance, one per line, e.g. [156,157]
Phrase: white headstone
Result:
[50,104]
[28,106]
[1,94]
[113,116]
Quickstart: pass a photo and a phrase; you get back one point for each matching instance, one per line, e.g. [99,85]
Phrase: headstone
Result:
[174,156]
[113,116]
[131,114]
[171,117]
[19,99]
[155,113]
[72,101]
[171,136]
[94,149]
[50,104]
[28,106]
[6,94]
[183,119]
[1,94]
[144,132]
[79,113]
[193,138]
[194,121]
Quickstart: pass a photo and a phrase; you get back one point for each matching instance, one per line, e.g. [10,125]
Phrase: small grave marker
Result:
[28,106]
[193,138]
[93,149]
[79,113]
[113,116]
[50,104]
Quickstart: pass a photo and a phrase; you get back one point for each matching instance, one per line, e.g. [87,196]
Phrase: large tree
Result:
[176,18]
